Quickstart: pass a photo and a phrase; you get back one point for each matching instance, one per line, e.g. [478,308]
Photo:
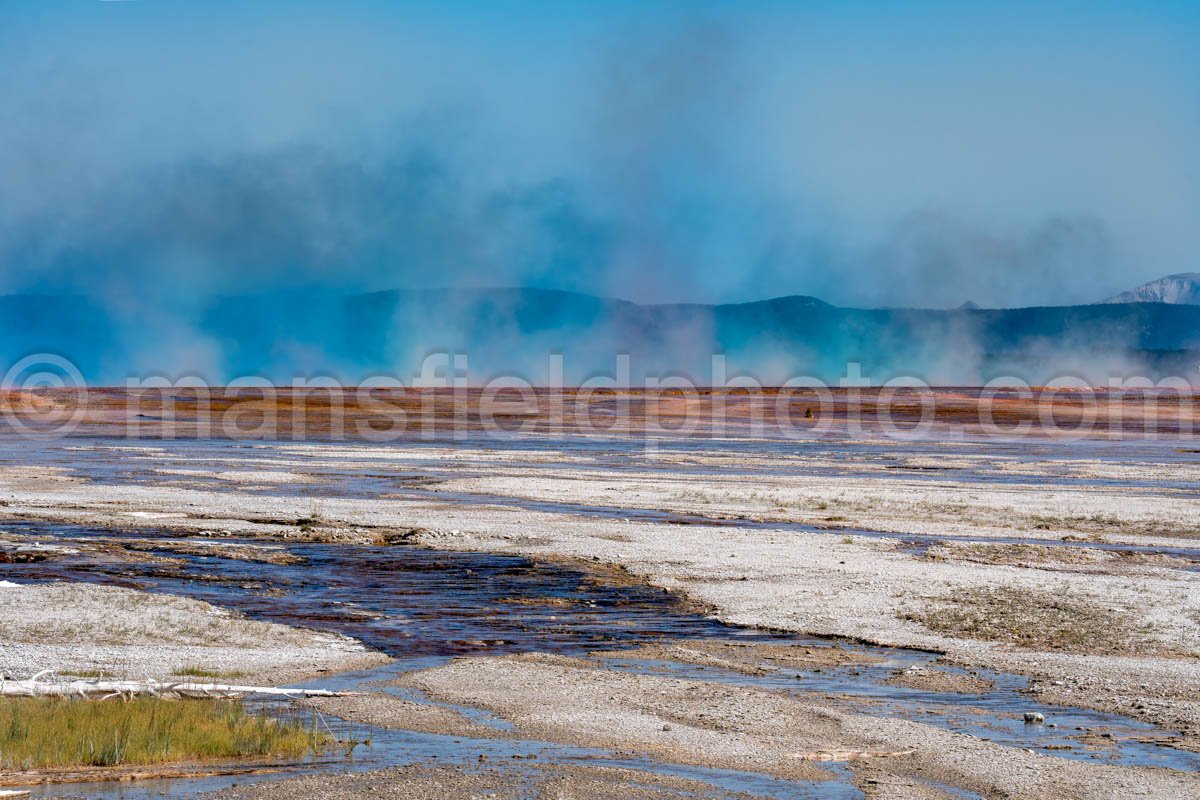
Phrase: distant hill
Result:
[516,331]
[1181,289]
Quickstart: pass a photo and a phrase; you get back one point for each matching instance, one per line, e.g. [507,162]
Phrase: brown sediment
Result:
[353,415]
[1076,559]
[611,783]
[745,657]
[500,782]
[562,602]
[877,783]
[193,769]
[18,548]
[938,680]
[236,551]
[1037,619]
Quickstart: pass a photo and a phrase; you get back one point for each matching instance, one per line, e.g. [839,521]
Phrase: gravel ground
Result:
[386,711]
[495,783]
[749,659]
[709,724]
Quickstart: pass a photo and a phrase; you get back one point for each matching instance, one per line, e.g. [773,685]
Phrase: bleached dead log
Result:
[102,689]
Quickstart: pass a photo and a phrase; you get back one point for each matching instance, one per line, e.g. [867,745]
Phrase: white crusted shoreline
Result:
[85,629]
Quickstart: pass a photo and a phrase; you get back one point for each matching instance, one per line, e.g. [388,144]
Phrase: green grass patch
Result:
[44,732]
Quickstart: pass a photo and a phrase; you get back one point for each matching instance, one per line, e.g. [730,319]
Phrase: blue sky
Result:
[870,153]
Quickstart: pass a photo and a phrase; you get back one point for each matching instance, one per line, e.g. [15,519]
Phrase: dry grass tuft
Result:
[45,732]
[1035,619]
[1057,558]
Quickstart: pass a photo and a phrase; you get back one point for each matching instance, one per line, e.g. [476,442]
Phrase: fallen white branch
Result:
[103,689]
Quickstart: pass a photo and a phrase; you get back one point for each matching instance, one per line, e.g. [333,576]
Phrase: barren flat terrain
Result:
[887,609]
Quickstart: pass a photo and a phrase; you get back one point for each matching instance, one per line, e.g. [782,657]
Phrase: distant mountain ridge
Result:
[281,336]
[1181,289]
